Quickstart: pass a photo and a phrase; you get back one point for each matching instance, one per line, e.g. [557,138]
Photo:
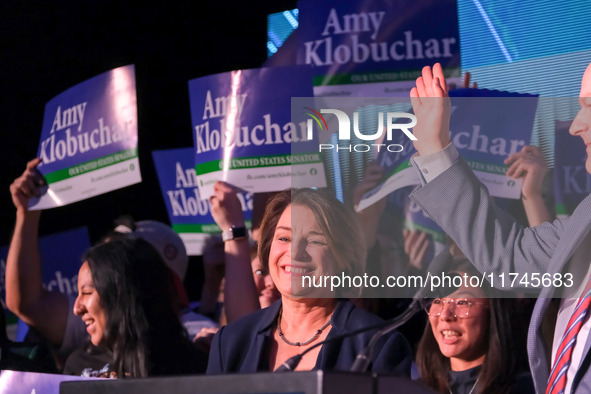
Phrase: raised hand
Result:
[226,209]
[27,185]
[529,165]
[204,338]
[432,108]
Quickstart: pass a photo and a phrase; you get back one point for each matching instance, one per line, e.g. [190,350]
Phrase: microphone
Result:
[440,263]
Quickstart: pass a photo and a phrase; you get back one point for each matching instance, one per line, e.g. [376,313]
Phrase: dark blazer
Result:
[241,347]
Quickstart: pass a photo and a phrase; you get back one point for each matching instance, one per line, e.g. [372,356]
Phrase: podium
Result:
[312,382]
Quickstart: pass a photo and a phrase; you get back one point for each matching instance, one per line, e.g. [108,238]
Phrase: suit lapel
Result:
[577,229]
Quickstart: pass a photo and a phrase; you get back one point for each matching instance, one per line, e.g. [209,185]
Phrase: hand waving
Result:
[432,108]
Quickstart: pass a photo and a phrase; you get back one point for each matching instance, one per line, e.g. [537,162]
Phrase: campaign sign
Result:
[16,382]
[400,205]
[61,257]
[370,47]
[398,172]
[486,130]
[243,134]
[486,127]
[572,183]
[189,214]
[89,139]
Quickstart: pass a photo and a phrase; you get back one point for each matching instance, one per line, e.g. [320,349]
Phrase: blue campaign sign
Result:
[487,126]
[398,172]
[572,183]
[378,35]
[89,139]
[188,213]
[61,258]
[243,133]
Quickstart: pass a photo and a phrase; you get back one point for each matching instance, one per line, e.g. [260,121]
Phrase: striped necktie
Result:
[557,380]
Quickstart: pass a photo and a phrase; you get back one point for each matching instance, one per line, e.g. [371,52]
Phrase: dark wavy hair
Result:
[501,364]
[142,326]
[338,223]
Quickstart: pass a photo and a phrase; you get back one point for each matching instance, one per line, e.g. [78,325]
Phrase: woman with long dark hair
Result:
[126,299]
[469,344]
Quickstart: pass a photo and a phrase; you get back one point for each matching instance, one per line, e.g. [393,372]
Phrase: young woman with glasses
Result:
[468,346]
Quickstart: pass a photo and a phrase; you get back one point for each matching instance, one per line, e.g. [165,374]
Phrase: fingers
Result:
[415,101]
[466,82]
[33,173]
[421,252]
[223,190]
[532,150]
[221,186]
[438,90]
[226,208]
[431,83]
[412,240]
[427,77]
[512,157]
[438,75]
[206,332]
[527,151]
[529,157]
[204,338]
[421,87]
[29,183]
[416,245]
[517,170]
[33,163]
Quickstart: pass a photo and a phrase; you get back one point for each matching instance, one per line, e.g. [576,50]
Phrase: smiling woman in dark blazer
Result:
[306,233]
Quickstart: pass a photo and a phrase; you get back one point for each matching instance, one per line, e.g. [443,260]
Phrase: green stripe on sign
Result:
[258,162]
[500,169]
[202,228]
[91,165]
[390,76]
[196,228]
[402,166]
[436,235]
[561,209]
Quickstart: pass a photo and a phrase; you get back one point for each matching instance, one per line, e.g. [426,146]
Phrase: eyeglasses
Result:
[459,307]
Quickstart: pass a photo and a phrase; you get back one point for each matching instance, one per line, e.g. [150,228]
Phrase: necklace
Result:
[473,387]
[282,336]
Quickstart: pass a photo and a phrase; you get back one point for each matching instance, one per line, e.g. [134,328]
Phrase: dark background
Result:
[48,46]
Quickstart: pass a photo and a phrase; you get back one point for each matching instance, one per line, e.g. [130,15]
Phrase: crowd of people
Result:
[131,317]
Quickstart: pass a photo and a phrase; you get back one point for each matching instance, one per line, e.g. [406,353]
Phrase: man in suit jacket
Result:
[492,240]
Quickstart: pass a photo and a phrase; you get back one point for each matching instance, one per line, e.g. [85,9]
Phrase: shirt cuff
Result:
[431,166]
